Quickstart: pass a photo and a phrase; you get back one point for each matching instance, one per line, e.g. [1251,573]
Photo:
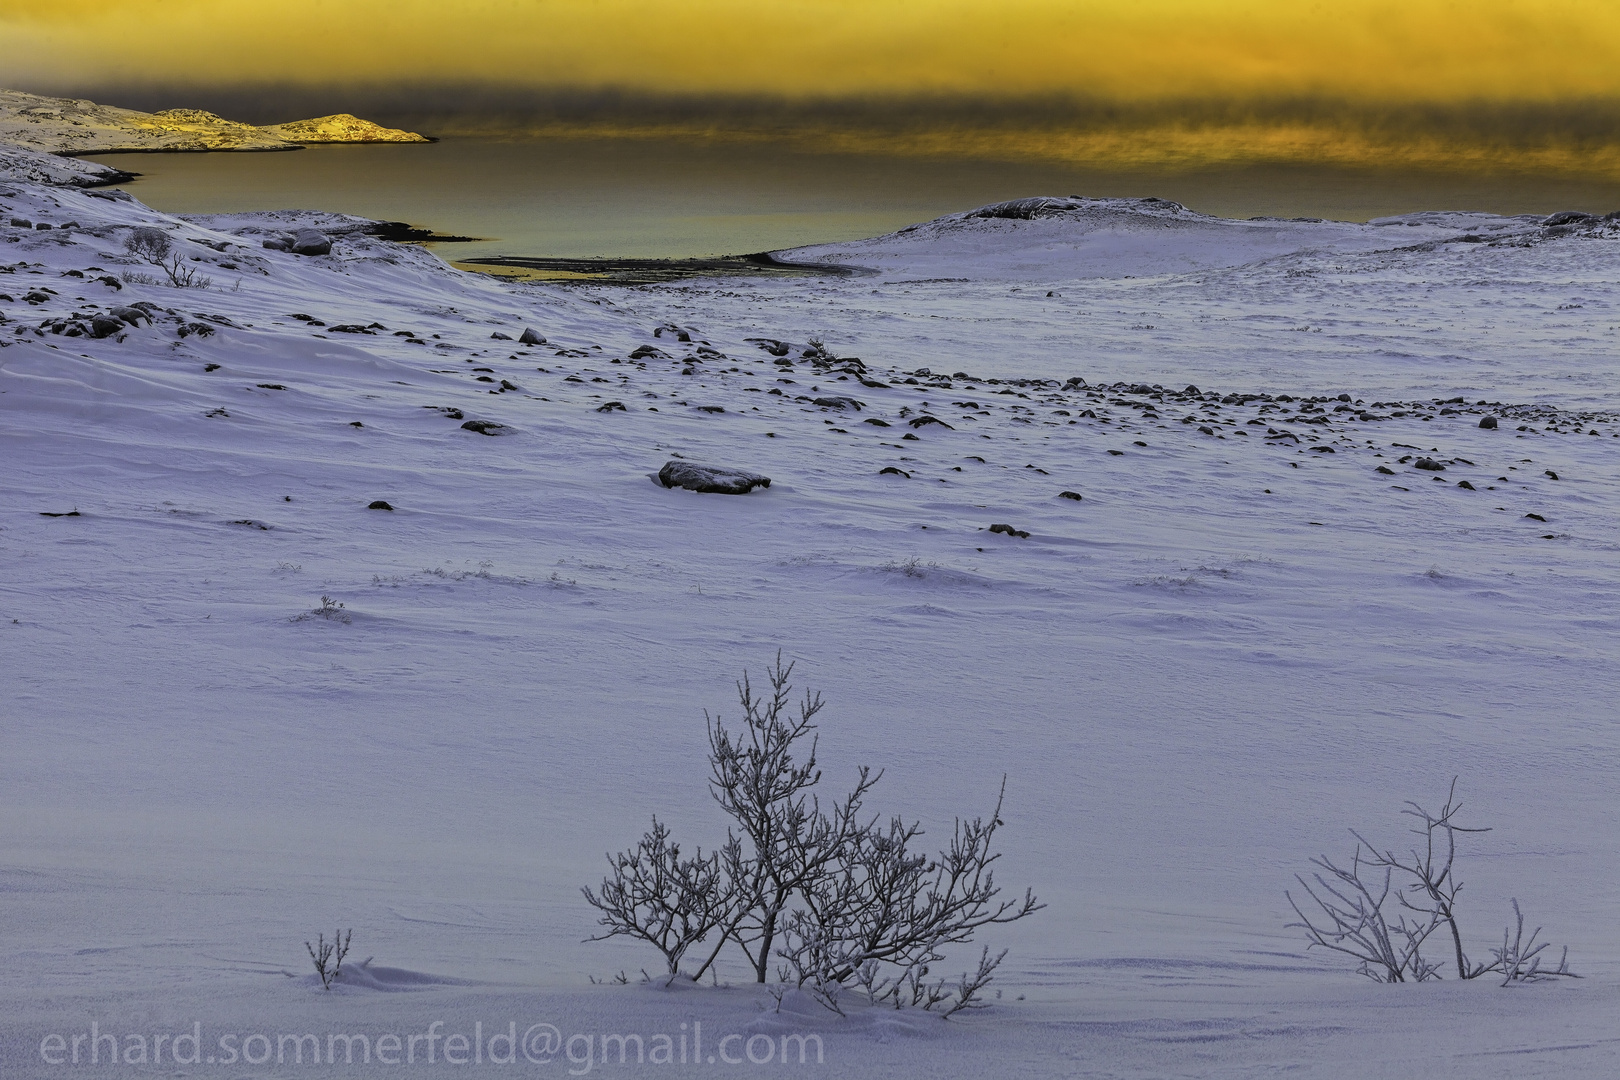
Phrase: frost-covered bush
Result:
[843,902]
[1382,908]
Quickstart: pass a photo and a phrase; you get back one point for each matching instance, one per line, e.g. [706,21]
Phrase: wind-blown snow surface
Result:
[1234,647]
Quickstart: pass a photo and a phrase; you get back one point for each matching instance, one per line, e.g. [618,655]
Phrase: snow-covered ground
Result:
[1241,641]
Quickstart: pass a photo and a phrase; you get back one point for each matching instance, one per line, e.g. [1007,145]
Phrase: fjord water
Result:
[650,198]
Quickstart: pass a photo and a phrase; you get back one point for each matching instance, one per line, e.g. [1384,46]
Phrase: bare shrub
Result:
[844,902]
[154,246]
[1353,913]
[327,956]
[657,896]
[146,242]
[183,276]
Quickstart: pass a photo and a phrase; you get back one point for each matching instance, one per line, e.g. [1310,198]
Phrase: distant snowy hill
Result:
[1103,238]
[74,126]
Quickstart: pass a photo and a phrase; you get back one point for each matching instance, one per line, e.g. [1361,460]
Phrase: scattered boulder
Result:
[1386,470]
[1569,217]
[380,504]
[838,403]
[925,420]
[498,336]
[278,243]
[648,352]
[709,479]
[1075,495]
[310,242]
[105,326]
[1428,465]
[890,470]
[1008,530]
[132,315]
[610,406]
[1536,517]
[875,422]
[530,337]
[1488,423]
[486,427]
[1551,475]
[201,329]
[1465,484]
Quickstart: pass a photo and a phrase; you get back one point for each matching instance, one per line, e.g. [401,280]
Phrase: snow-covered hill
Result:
[73,126]
[1262,623]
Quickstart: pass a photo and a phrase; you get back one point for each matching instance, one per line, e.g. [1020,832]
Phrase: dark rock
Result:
[36,297]
[891,470]
[105,326]
[1488,423]
[1386,470]
[1116,453]
[609,406]
[908,436]
[498,336]
[647,351]
[1568,217]
[310,242]
[875,422]
[201,329]
[379,505]
[530,337]
[447,410]
[1075,495]
[506,385]
[709,479]
[838,403]
[68,513]
[1008,530]
[132,315]
[1551,475]
[1465,484]
[925,420]
[1536,517]
[279,243]
[711,408]
[1323,450]
[486,427]
[1206,430]
[1428,465]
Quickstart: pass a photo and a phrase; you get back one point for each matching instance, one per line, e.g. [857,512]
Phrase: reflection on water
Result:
[649,198]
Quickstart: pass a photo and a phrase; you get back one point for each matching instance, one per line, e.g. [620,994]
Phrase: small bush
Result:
[842,901]
[145,242]
[1354,913]
[327,956]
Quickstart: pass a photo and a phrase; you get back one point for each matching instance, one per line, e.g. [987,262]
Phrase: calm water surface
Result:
[649,198]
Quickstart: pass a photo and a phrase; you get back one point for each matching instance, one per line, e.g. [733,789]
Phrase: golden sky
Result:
[1370,50]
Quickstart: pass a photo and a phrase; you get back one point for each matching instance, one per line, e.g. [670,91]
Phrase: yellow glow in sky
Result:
[1370,50]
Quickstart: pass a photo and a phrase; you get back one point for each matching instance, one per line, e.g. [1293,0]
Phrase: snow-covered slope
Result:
[74,126]
[22,164]
[1260,625]
[1077,238]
